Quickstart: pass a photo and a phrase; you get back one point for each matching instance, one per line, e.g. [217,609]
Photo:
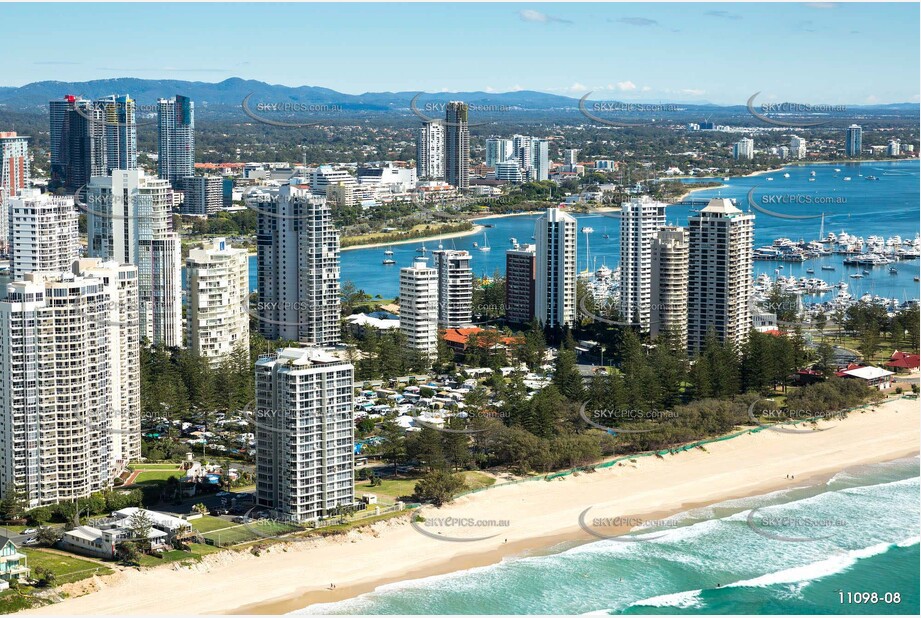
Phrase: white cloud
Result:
[540,18]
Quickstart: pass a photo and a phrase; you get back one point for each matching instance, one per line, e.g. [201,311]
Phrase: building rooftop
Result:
[867,373]
[721,205]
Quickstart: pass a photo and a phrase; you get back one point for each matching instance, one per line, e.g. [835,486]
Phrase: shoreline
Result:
[294,575]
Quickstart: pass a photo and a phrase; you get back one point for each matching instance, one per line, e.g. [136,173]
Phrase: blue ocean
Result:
[713,562]
[885,207]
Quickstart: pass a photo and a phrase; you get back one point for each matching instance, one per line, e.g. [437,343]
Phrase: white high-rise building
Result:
[669,311]
[521,151]
[540,159]
[176,139]
[298,267]
[798,147]
[498,150]
[129,220]
[744,149]
[455,287]
[217,283]
[419,308]
[43,233]
[894,148]
[555,284]
[304,433]
[69,381]
[430,151]
[641,220]
[853,141]
[719,274]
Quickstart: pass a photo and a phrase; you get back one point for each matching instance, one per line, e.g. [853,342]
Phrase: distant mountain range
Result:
[222,96]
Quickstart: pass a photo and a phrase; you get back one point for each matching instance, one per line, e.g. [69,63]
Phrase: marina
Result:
[884,213]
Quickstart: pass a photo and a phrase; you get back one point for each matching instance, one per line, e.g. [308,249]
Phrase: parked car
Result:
[29,531]
[30,541]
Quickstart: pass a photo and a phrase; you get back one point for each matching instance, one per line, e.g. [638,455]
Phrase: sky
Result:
[818,52]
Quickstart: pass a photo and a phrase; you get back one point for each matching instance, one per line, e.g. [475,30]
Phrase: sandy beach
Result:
[515,518]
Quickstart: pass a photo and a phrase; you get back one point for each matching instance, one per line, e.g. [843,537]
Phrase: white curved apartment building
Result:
[217,282]
[43,230]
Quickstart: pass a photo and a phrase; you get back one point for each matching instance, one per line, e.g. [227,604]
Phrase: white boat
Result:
[769,178]
[422,249]
[485,246]
[812,174]
[389,261]
[837,169]
[847,177]
[812,180]
[389,251]
[786,175]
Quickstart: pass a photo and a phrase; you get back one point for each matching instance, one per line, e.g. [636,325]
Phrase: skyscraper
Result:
[129,220]
[520,269]
[176,139]
[430,151]
[540,159]
[419,308]
[43,233]
[304,433]
[853,142]
[497,151]
[744,149]
[457,145]
[78,142]
[669,312]
[455,287]
[555,289]
[15,168]
[798,147]
[120,132]
[641,219]
[69,382]
[720,274]
[14,176]
[217,282]
[298,266]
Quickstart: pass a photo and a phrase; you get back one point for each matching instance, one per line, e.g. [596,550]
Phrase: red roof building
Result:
[901,361]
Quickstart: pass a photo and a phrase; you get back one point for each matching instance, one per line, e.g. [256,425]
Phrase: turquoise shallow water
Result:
[714,562]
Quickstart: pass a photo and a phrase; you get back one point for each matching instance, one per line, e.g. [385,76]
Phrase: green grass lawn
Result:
[156,466]
[253,531]
[195,553]
[390,490]
[477,480]
[12,601]
[66,568]
[148,476]
[209,523]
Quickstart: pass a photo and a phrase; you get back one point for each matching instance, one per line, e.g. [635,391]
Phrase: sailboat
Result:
[389,251]
[485,246]
[422,250]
